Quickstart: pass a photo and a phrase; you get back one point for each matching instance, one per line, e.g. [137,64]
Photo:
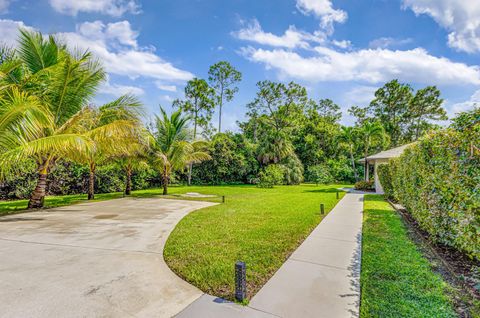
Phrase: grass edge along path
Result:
[261,227]
[396,279]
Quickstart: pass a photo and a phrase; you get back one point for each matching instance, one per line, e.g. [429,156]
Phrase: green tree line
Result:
[53,139]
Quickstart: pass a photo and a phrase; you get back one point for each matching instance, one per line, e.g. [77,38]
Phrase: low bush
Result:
[364,185]
[271,175]
[319,174]
[438,182]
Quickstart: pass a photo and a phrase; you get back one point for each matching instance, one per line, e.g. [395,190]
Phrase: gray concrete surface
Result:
[100,259]
[320,279]
[213,307]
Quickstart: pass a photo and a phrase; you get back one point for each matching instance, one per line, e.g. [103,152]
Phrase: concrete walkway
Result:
[101,259]
[320,279]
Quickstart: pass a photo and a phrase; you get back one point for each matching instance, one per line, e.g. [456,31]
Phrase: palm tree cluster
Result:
[46,115]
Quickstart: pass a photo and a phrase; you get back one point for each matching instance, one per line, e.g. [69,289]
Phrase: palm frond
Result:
[16,106]
[57,145]
[36,52]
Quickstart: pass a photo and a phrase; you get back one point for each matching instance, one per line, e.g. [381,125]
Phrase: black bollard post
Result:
[223,199]
[337,195]
[240,281]
[322,208]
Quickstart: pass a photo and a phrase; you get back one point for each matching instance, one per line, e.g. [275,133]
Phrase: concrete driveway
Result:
[100,259]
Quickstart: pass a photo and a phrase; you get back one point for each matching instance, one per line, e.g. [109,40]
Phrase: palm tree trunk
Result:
[220,113]
[190,166]
[128,186]
[366,165]
[38,195]
[91,182]
[189,175]
[353,163]
[165,182]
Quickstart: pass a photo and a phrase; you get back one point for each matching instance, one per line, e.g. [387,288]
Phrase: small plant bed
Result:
[259,226]
[397,280]
[367,186]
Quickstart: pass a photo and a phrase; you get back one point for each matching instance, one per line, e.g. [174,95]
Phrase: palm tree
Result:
[348,136]
[274,147]
[120,120]
[44,93]
[134,158]
[371,132]
[172,147]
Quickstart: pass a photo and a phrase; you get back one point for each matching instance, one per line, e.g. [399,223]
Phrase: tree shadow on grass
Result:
[374,197]
[327,190]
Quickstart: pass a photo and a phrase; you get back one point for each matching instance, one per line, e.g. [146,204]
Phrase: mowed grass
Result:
[10,207]
[18,206]
[261,227]
[396,279]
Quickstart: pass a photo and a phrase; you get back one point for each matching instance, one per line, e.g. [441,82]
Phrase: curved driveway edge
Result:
[102,259]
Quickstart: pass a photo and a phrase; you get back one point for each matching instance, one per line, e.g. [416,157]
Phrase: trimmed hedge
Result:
[438,181]
[385,176]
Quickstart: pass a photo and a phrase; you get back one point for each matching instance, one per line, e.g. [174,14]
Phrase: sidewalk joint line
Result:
[319,264]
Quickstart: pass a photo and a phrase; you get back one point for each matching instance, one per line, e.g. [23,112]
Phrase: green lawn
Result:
[10,207]
[396,279]
[261,227]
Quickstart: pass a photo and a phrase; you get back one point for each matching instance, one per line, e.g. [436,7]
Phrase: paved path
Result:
[320,279]
[100,259]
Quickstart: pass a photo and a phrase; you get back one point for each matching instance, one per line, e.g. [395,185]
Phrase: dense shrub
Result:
[271,175]
[292,170]
[438,182]
[365,185]
[68,177]
[233,161]
[21,184]
[385,176]
[341,170]
[319,174]
[333,170]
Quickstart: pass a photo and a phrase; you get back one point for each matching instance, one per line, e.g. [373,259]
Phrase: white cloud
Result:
[165,87]
[474,100]
[118,90]
[114,8]
[4,5]
[167,98]
[366,65]
[344,44]
[118,32]
[119,53]
[116,47]
[460,17]
[9,31]
[387,42]
[359,95]
[324,10]
[292,38]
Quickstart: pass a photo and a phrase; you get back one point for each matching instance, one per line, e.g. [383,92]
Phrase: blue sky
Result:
[338,49]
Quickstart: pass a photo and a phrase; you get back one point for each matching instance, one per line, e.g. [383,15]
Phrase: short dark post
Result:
[223,199]
[337,194]
[240,281]
[322,208]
